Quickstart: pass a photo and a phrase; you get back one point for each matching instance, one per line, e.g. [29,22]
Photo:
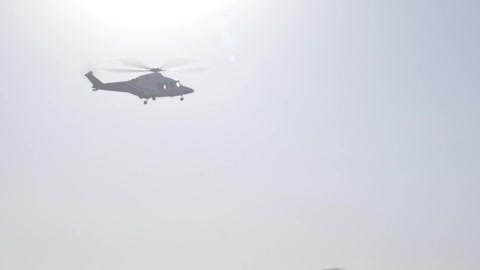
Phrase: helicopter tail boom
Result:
[94,80]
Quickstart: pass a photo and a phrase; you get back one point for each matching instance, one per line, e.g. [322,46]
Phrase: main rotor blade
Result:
[172,63]
[187,69]
[125,70]
[133,63]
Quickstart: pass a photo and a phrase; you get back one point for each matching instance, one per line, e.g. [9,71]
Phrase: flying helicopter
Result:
[149,86]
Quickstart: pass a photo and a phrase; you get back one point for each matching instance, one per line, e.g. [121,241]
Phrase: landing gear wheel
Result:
[145,102]
[153,98]
[181,99]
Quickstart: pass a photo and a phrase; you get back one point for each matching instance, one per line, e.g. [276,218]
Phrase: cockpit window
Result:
[178,84]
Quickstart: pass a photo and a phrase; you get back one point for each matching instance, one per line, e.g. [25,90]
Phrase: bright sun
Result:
[140,13]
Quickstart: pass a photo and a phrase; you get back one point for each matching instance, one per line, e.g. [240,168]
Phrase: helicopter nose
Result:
[190,90]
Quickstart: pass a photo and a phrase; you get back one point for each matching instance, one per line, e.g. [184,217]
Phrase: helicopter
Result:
[150,86]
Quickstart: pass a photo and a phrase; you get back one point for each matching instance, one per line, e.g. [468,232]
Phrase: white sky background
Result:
[325,133]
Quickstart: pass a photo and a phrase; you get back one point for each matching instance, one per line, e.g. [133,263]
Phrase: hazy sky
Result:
[324,134]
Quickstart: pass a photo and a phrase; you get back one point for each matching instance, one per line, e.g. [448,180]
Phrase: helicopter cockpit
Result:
[169,85]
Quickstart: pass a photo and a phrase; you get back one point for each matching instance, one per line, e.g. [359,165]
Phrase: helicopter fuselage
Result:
[147,86]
